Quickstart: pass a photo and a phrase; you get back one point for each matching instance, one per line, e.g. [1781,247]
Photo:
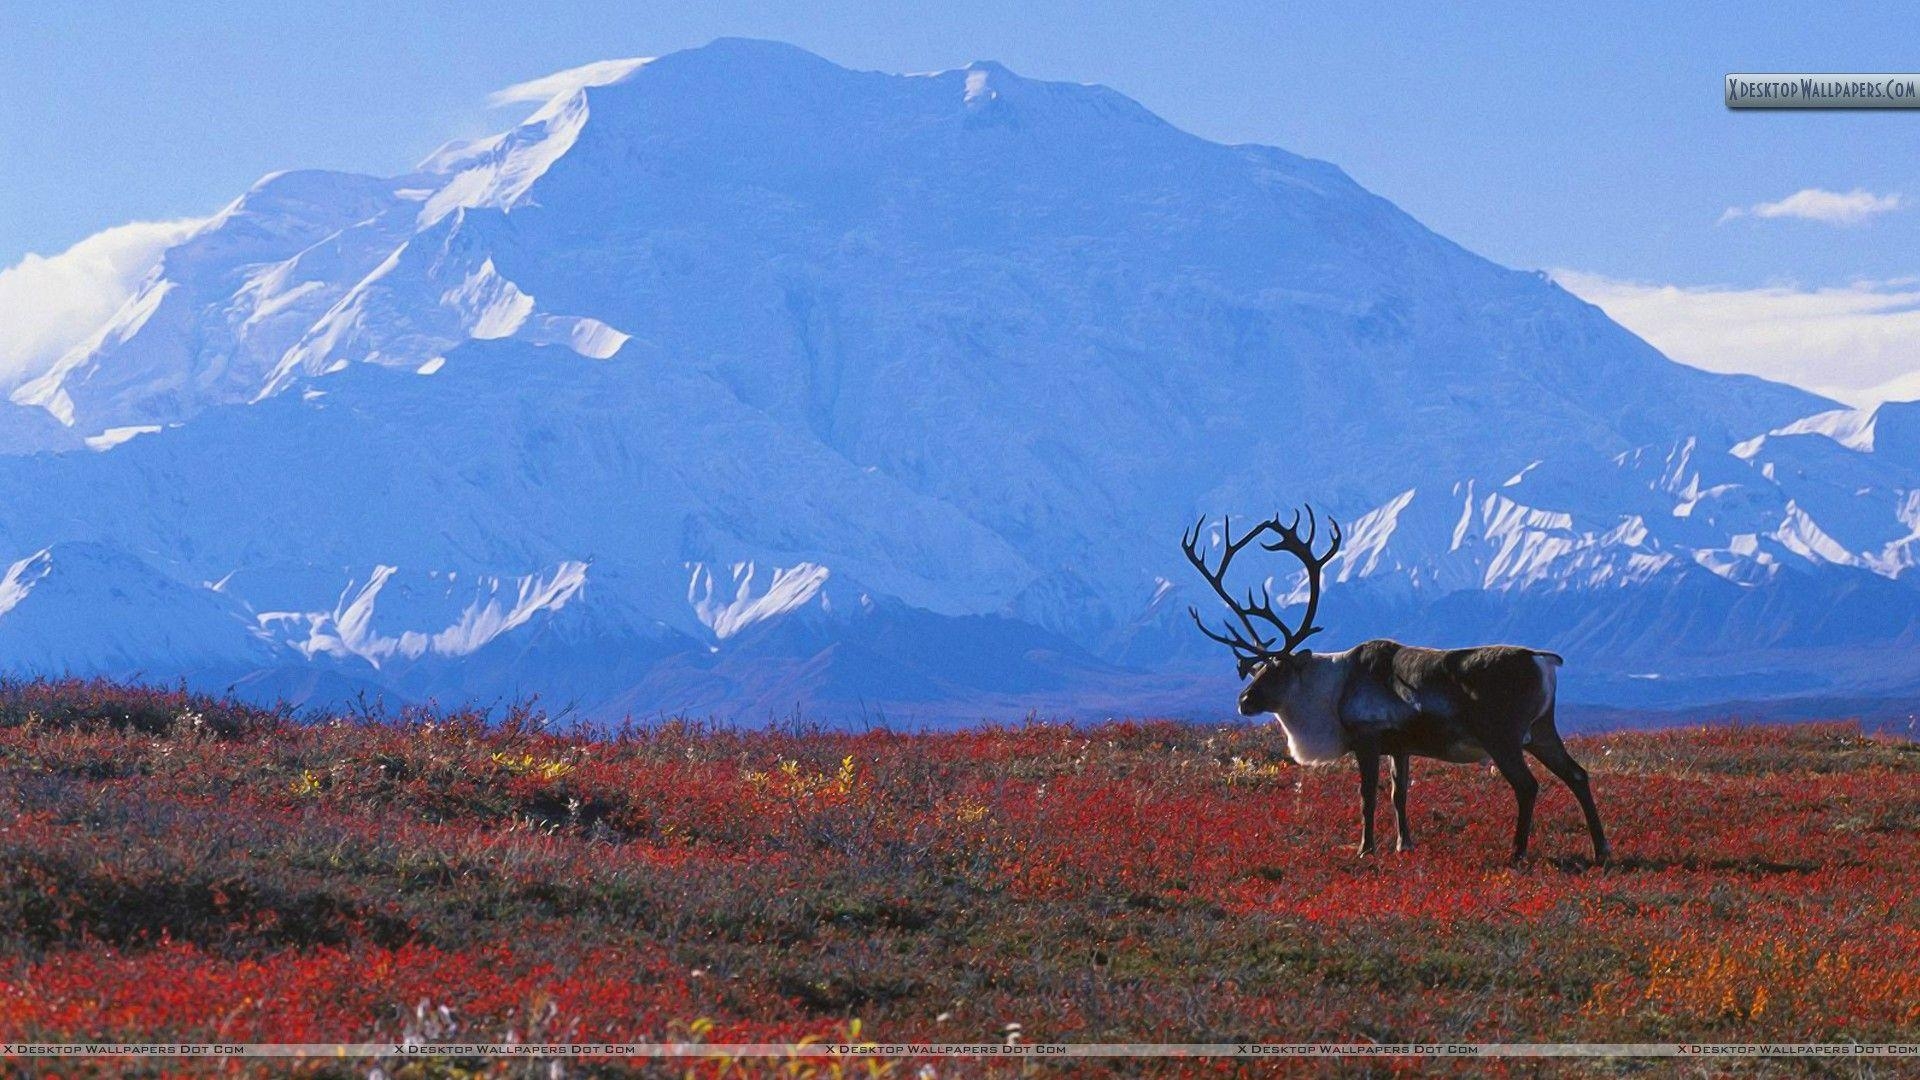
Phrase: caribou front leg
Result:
[1402,779]
[1368,756]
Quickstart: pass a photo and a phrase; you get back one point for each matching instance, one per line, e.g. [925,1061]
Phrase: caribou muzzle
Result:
[1247,705]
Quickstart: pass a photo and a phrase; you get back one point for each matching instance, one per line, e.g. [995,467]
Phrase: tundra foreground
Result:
[179,868]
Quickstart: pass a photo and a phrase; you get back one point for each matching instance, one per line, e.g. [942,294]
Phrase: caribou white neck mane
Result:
[1310,713]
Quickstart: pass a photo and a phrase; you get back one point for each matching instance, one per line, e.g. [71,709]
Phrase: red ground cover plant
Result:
[177,867]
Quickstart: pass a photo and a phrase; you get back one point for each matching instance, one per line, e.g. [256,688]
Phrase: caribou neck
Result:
[1309,710]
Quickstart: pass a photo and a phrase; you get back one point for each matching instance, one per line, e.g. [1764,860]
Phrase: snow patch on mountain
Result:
[113,437]
[347,630]
[490,305]
[1742,561]
[481,623]
[1902,553]
[21,577]
[431,294]
[727,610]
[499,172]
[590,338]
[1851,428]
[1800,534]
[1365,538]
[1517,478]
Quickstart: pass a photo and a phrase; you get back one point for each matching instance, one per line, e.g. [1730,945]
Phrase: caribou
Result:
[1384,699]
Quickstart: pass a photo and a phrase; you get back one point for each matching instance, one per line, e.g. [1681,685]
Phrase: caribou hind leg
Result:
[1546,746]
[1512,764]
[1402,779]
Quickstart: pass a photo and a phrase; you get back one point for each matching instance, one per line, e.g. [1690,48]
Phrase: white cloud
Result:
[50,304]
[548,87]
[1818,204]
[1859,344]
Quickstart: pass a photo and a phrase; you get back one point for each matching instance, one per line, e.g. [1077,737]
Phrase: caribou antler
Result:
[1253,646]
[1302,549]
[1249,645]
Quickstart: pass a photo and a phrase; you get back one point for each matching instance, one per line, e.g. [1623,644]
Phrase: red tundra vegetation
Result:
[182,868]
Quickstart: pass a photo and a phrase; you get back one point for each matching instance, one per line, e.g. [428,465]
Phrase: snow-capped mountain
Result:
[736,381]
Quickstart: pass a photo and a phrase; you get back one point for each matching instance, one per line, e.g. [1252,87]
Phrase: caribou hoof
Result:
[1366,848]
[1403,845]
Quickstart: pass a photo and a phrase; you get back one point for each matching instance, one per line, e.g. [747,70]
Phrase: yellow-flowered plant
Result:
[528,765]
[1240,769]
[789,779]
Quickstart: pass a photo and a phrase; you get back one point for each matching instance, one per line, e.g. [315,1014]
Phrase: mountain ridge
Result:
[753,340]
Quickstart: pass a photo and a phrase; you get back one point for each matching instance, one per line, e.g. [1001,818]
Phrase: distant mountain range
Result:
[737,382]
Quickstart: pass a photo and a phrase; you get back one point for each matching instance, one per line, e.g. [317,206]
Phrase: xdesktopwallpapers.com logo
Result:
[1785,90]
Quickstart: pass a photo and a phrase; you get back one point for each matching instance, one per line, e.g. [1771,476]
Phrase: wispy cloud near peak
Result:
[48,304]
[1819,204]
[548,87]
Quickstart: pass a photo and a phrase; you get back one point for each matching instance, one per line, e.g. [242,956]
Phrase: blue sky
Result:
[1593,144]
